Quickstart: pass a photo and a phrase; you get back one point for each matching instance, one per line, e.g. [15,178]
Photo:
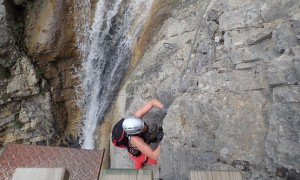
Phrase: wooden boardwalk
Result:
[125,174]
[216,175]
[40,174]
[130,174]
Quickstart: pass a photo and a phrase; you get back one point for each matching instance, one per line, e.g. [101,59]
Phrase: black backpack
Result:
[119,136]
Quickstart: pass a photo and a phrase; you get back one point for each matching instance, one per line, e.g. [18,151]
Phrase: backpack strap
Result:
[119,136]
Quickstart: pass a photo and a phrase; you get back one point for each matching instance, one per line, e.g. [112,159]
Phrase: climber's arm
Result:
[145,148]
[147,107]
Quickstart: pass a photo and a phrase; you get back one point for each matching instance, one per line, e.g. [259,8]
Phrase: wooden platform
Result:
[216,175]
[125,174]
[30,173]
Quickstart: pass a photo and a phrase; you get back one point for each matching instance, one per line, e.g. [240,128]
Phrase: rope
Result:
[185,66]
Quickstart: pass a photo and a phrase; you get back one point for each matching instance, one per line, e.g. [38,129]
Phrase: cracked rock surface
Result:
[229,72]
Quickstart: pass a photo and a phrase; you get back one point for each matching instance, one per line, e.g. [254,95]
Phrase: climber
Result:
[137,141]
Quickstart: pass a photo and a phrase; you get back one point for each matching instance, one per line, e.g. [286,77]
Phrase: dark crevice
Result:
[16,18]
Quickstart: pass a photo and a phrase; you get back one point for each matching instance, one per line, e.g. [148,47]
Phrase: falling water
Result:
[106,53]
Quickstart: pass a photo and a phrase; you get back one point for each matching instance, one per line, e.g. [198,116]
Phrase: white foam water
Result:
[106,52]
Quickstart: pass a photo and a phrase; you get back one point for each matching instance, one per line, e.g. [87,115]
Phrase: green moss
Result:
[27,5]
[18,141]
[4,97]
[18,124]
[4,73]
[19,25]
[39,73]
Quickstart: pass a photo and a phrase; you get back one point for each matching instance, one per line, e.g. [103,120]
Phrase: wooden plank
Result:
[39,174]
[125,174]
[216,175]
[201,175]
[227,175]
[144,175]
[118,174]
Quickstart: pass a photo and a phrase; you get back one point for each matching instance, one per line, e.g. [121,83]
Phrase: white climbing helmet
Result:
[133,125]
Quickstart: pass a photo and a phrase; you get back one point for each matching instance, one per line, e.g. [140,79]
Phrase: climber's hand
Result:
[160,135]
[164,109]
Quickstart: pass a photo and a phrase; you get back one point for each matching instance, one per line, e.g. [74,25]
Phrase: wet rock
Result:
[51,39]
[42,38]
[70,141]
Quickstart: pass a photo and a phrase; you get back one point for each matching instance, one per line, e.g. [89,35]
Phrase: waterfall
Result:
[106,52]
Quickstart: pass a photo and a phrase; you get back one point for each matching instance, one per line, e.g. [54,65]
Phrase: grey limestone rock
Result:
[233,95]
[282,143]
[284,37]
[286,94]
[276,9]
[282,70]
[242,128]
[189,140]
[283,137]
[248,16]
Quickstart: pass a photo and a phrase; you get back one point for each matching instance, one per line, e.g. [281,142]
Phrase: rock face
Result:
[38,59]
[229,72]
[25,115]
[50,39]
